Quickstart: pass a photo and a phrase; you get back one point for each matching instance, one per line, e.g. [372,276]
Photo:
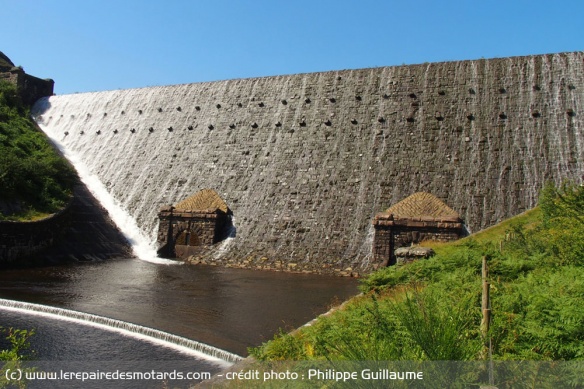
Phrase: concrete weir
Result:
[306,161]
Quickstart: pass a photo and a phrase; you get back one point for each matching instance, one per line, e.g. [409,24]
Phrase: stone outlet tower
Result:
[193,225]
[419,217]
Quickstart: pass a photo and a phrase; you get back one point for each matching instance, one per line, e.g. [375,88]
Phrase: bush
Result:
[18,343]
[32,174]
[283,347]
[563,222]
[426,324]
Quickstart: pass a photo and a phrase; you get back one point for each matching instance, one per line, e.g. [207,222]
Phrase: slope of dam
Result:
[305,161]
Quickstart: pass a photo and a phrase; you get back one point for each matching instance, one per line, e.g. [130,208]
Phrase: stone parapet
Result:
[29,88]
[203,214]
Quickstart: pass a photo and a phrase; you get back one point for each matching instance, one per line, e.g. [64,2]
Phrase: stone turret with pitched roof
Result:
[205,199]
[419,217]
[193,224]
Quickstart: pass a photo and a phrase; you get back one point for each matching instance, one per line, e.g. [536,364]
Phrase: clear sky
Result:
[92,45]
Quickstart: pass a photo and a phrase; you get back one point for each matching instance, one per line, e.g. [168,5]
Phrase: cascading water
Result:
[224,245]
[304,161]
[165,339]
[143,248]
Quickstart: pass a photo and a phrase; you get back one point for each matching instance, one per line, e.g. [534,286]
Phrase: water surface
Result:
[232,309]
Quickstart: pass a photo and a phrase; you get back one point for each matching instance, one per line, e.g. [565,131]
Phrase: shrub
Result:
[32,174]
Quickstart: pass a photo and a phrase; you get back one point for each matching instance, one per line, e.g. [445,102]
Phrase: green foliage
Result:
[430,309]
[363,334]
[541,316]
[284,347]
[18,350]
[32,174]
[19,344]
[425,325]
[441,330]
[563,222]
[465,261]
[566,203]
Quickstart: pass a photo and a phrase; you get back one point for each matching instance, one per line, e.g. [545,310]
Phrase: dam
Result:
[306,161]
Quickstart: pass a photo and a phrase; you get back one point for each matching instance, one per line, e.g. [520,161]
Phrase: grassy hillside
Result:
[34,180]
[431,309]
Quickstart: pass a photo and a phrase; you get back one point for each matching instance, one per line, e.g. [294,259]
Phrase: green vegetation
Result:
[34,179]
[19,344]
[18,350]
[431,309]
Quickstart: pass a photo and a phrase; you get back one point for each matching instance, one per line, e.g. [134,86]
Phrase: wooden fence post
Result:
[486,307]
[485,324]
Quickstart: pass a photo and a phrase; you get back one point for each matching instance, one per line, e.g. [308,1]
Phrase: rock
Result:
[425,252]
[414,252]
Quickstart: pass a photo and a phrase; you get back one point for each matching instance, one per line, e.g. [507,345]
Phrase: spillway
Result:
[305,161]
[188,346]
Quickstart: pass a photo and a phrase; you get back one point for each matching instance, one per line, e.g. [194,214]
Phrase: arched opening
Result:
[187,242]
[187,238]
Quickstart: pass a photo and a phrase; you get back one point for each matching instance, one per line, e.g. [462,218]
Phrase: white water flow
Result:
[265,147]
[188,346]
[223,246]
[143,248]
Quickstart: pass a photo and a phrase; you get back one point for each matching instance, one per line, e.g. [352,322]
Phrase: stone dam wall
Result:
[82,231]
[306,161]
[20,240]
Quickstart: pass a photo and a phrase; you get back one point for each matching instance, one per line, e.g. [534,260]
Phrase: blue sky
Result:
[92,45]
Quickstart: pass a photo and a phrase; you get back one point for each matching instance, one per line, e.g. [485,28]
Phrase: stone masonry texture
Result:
[417,218]
[30,88]
[82,231]
[27,239]
[306,161]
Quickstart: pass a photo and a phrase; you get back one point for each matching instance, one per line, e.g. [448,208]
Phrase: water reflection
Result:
[228,308]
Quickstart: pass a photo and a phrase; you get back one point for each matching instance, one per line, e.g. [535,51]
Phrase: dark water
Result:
[231,309]
[84,342]
[60,345]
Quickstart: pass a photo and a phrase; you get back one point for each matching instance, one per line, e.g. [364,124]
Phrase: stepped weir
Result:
[306,161]
[189,346]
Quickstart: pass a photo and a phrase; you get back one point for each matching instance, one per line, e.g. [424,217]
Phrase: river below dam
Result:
[231,309]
